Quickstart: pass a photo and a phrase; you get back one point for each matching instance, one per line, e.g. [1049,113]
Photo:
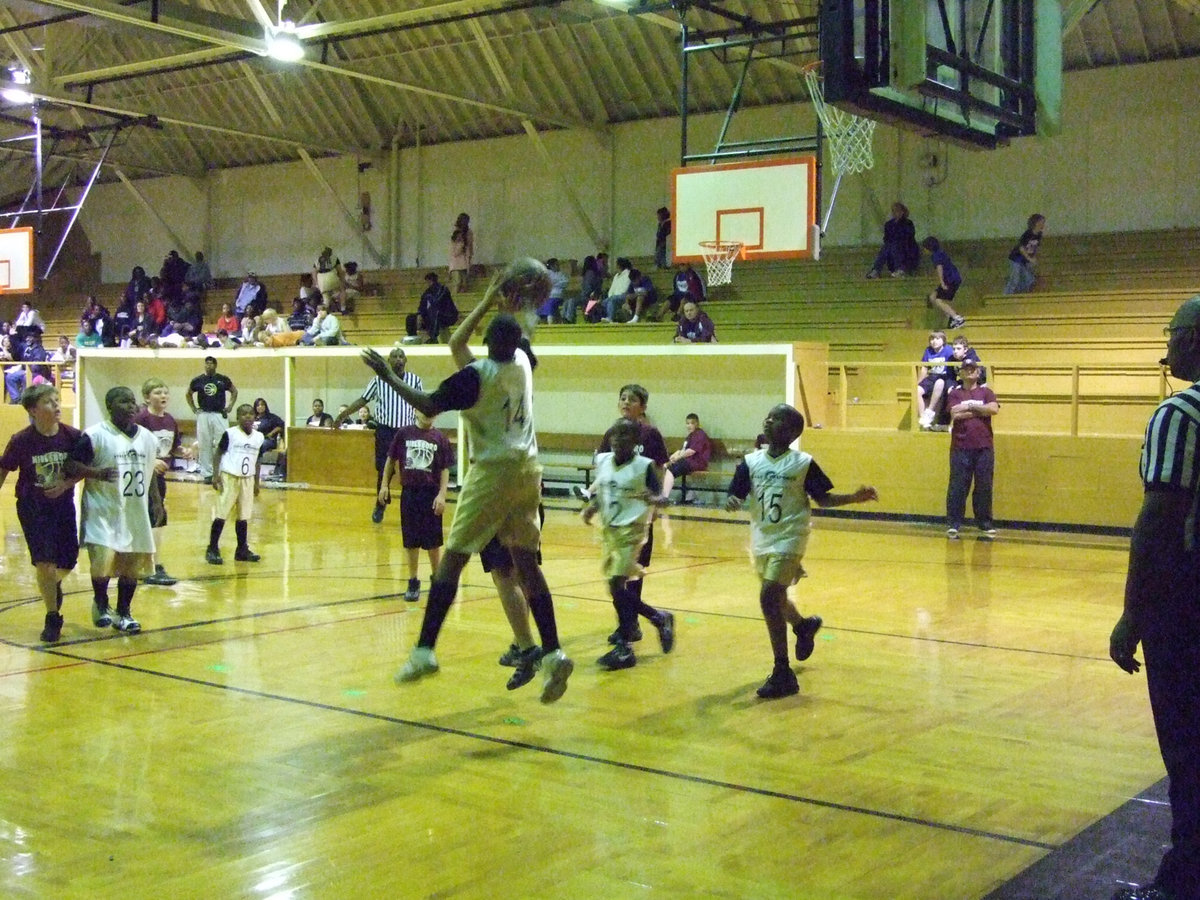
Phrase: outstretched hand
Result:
[865,493]
[376,362]
[732,503]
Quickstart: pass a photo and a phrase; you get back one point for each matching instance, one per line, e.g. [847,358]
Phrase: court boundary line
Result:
[581,757]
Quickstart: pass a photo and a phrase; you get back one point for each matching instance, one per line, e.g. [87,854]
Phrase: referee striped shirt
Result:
[1169,453]
[390,408]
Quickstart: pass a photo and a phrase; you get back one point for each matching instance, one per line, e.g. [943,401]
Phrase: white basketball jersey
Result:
[621,490]
[241,456]
[500,424]
[116,514]
[779,509]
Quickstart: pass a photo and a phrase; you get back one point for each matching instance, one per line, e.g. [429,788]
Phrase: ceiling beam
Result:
[1073,13]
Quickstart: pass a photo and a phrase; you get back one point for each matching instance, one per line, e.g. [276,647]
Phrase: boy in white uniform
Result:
[780,482]
[501,493]
[626,485]
[235,477]
[117,459]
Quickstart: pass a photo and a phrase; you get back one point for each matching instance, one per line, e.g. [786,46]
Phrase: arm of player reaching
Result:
[385,485]
[462,334]
[418,400]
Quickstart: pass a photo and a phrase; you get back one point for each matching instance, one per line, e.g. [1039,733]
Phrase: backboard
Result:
[16,260]
[767,205]
[976,72]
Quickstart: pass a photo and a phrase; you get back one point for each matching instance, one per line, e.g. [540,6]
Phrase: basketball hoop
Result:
[849,135]
[719,257]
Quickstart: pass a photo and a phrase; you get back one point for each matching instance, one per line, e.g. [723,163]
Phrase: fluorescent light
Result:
[17,96]
[15,92]
[282,44]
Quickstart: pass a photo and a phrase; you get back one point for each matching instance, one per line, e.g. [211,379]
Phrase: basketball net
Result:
[719,257]
[849,135]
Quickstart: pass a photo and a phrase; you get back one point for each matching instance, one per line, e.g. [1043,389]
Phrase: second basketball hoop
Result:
[719,257]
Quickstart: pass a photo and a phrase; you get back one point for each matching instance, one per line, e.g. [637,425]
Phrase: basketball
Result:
[523,286]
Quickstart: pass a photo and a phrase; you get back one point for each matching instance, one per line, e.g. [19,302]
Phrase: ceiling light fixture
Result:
[282,43]
[15,90]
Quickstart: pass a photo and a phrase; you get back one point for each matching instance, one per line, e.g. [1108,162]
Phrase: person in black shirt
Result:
[211,396]
[1023,257]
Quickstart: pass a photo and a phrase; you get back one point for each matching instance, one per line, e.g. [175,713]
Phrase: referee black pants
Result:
[384,435]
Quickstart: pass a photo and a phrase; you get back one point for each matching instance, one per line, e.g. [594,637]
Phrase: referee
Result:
[391,412]
[1162,605]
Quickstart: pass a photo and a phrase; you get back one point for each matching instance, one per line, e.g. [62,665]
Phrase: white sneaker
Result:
[421,662]
[556,669]
[633,320]
[952,533]
[101,618]
[126,624]
[927,419]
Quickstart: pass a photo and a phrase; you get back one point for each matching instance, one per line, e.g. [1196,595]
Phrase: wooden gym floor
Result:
[958,722]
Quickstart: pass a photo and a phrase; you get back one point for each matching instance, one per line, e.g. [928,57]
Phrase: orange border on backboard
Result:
[28,241]
[750,253]
[746,247]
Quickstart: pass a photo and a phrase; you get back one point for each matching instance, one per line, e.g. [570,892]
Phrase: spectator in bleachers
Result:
[589,292]
[327,273]
[462,253]
[251,297]
[183,318]
[173,272]
[325,331]
[227,321]
[551,310]
[65,353]
[695,327]
[101,321]
[124,320]
[643,295]
[87,336]
[199,275]
[618,293]
[949,281]
[435,311]
[143,324]
[253,329]
[30,350]
[961,351]
[319,418]
[352,288]
[5,348]
[931,385]
[28,320]
[1023,257]
[900,252]
[300,317]
[660,238]
[138,287]
[688,286]
[156,308]
[274,331]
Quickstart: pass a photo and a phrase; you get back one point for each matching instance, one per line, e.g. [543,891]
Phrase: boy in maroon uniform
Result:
[45,501]
[631,404]
[423,455]
[160,423]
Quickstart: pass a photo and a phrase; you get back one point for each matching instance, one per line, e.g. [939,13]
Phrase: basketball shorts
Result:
[947,293]
[236,491]
[501,499]
[619,549]
[419,527]
[780,568]
[50,532]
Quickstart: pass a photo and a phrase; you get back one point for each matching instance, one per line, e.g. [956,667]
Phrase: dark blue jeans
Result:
[967,466]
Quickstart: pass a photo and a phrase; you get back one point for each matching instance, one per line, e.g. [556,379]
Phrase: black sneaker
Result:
[526,665]
[782,683]
[615,637]
[413,594]
[213,556]
[53,630]
[377,514]
[805,637]
[245,554]
[666,630]
[619,657]
[160,577]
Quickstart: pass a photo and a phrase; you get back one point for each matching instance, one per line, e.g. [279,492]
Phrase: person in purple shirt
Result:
[972,453]
[949,281]
[693,456]
[45,501]
[695,327]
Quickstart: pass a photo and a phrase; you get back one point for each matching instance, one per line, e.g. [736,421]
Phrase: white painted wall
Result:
[1127,160]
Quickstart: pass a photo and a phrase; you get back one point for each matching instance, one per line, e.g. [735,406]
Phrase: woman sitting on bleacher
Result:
[900,252]
[588,293]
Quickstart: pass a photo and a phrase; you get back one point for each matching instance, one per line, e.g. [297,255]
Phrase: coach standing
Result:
[1162,605]
[215,396]
[972,453]
[392,413]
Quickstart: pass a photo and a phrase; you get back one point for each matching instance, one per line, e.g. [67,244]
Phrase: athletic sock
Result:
[437,607]
[240,528]
[541,606]
[125,589]
[100,592]
[214,533]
